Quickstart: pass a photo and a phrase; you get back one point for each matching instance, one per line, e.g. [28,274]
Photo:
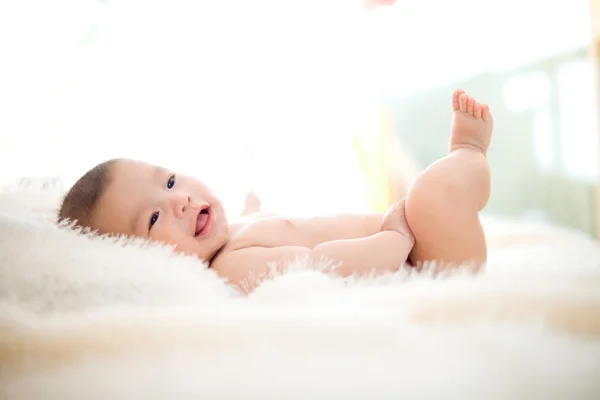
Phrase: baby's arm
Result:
[383,251]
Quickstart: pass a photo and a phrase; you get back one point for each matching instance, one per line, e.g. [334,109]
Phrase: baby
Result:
[438,221]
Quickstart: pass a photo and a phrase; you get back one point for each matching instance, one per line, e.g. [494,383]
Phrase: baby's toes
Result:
[470,105]
[485,113]
[462,101]
[477,108]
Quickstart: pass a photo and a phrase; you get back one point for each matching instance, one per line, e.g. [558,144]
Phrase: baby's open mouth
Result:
[202,221]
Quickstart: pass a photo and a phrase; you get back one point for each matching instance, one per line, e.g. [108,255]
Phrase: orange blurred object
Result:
[371,4]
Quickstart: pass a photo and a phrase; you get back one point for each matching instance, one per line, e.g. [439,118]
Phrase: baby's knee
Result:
[444,185]
[434,189]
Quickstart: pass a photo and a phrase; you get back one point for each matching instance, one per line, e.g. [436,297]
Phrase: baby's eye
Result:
[171,182]
[153,220]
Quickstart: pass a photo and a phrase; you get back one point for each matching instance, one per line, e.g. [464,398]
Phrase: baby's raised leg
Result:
[443,204]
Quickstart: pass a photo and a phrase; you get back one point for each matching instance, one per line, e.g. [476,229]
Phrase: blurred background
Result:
[317,106]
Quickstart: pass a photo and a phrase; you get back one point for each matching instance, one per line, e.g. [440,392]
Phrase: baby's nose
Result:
[181,201]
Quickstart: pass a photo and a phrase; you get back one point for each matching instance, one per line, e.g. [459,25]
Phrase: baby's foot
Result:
[472,123]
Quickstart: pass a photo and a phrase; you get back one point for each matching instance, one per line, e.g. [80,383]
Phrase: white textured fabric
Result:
[88,318]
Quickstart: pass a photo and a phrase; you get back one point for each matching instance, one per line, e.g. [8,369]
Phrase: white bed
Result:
[87,318]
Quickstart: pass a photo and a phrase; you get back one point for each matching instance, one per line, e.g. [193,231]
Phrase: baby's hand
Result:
[252,203]
[395,220]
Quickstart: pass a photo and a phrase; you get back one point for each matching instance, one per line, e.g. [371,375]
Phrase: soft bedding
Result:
[85,317]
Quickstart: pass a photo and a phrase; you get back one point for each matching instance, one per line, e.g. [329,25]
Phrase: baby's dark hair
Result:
[81,200]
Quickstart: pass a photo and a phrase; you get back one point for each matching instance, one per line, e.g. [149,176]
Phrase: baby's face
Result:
[151,202]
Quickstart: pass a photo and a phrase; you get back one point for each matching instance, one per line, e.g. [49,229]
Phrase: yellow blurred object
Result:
[595,14]
[374,150]
[387,165]
[595,49]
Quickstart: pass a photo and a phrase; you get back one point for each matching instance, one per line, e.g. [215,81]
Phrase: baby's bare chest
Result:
[269,232]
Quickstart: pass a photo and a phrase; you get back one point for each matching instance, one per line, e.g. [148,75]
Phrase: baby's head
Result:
[133,198]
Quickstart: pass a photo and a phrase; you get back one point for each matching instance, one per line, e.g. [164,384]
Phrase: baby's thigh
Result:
[445,232]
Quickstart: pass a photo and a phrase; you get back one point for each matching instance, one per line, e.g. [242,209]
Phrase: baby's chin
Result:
[207,251]
[207,256]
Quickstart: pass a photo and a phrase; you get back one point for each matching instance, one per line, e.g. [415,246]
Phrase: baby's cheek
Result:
[171,238]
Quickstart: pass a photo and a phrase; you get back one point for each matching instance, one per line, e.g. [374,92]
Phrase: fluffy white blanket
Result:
[88,318]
